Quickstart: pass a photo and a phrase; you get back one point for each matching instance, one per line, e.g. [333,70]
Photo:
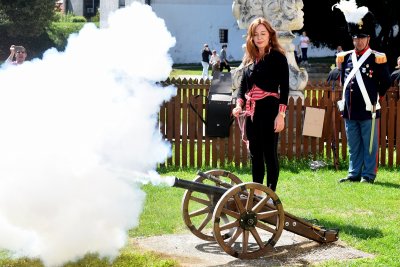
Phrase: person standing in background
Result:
[224,61]
[205,60]
[20,55]
[263,95]
[395,75]
[338,50]
[215,62]
[304,43]
[334,73]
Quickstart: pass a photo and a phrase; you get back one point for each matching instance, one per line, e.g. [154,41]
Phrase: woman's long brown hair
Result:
[251,53]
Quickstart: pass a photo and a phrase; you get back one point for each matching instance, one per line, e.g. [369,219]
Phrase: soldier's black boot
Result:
[350,179]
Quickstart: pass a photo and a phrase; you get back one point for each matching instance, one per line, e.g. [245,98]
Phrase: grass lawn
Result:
[193,69]
[196,69]
[366,215]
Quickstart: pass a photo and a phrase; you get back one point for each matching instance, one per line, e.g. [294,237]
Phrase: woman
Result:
[304,42]
[263,94]
[205,59]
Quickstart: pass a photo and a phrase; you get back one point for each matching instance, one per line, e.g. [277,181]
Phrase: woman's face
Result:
[261,37]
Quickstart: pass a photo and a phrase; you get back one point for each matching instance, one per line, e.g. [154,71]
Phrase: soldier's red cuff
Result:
[282,108]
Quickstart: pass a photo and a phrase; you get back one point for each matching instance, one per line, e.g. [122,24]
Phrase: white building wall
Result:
[194,23]
[76,7]
[108,6]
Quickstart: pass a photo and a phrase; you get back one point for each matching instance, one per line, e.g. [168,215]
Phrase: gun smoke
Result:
[78,131]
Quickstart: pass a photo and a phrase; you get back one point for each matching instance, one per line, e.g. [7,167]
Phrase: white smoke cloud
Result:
[78,128]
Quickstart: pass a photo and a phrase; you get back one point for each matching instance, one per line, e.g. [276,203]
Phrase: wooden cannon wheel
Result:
[252,219]
[198,208]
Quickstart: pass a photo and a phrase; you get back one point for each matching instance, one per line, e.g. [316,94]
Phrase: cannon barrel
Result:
[199,187]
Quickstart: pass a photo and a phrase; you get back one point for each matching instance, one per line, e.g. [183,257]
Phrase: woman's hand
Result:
[236,111]
[279,124]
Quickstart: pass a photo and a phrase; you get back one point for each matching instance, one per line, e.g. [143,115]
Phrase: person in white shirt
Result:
[304,42]
[215,62]
[19,52]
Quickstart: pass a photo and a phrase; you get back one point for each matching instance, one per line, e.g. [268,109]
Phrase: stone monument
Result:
[285,16]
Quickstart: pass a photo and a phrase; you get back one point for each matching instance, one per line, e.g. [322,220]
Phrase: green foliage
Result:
[24,23]
[366,215]
[26,18]
[127,258]
[192,69]
[96,18]
[36,26]
[61,17]
[79,19]
[59,32]
[63,26]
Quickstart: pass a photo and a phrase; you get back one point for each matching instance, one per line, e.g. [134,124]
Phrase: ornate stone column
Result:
[298,77]
[285,16]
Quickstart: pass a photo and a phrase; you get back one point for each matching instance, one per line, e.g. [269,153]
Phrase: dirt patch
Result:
[291,250]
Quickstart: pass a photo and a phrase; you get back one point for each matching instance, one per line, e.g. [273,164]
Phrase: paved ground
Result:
[291,250]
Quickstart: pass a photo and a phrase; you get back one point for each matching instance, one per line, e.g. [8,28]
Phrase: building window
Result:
[223,36]
[121,3]
[91,7]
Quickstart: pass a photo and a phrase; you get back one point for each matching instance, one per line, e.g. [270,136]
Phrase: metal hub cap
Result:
[248,220]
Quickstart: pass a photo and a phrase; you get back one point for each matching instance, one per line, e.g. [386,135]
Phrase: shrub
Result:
[96,18]
[59,32]
[79,19]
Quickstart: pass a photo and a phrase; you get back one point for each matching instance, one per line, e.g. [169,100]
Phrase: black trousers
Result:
[224,65]
[304,56]
[263,140]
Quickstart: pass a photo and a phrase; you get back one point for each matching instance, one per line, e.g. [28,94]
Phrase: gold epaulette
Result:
[340,57]
[380,57]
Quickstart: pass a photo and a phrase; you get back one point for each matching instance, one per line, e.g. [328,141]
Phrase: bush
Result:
[96,18]
[59,32]
[79,19]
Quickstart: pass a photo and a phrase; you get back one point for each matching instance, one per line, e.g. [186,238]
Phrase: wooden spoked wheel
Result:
[198,208]
[256,223]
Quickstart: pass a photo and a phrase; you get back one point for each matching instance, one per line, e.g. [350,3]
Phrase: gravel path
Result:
[291,250]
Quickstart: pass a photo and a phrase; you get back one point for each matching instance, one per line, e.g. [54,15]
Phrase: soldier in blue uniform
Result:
[365,78]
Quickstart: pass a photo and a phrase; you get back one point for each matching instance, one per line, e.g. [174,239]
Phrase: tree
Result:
[24,22]
[25,18]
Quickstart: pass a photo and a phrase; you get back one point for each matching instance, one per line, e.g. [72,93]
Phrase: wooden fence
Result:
[182,126]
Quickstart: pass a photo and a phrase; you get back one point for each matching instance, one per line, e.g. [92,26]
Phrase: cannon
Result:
[218,206]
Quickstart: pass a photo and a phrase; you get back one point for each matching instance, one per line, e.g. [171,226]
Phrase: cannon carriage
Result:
[245,219]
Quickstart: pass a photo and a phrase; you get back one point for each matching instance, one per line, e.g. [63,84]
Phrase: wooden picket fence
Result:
[181,125]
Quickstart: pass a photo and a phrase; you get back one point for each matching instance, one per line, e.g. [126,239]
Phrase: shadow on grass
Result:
[353,230]
[389,185]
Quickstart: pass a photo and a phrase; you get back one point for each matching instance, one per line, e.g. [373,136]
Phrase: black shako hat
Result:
[360,21]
